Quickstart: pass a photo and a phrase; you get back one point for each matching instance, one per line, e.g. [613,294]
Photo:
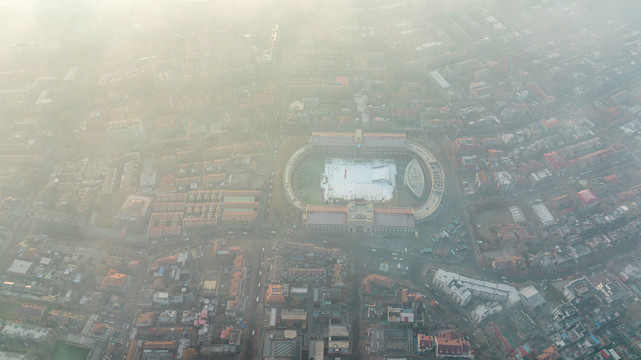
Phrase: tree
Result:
[296,302]
[633,313]
[190,354]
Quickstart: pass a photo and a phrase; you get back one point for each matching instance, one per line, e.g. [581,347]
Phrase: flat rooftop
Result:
[326,215]
[350,179]
[394,217]
[20,266]
[375,139]
[342,139]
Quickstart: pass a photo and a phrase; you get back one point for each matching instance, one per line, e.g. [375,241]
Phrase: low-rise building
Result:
[294,318]
[482,311]
[126,130]
[275,295]
[115,281]
[531,296]
[451,344]
[462,289]
[20,267]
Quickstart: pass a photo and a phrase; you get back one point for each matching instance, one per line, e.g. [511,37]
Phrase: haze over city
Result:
[311,180]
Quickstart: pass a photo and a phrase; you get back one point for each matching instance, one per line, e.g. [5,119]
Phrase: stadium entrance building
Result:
[360,216]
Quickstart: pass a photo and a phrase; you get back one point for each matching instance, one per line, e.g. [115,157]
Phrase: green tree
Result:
[190,354]
[633,314]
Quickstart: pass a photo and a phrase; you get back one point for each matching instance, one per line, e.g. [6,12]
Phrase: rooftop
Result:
[332,138]
[293,314]
[394,217]
[587,196]
[20,266]
[11,356]
[544,215]
[459,282]
[274,294]
[379,139]
[135,205]
[25,331]
[113,279]
[145,319]
[338,331]
[529,291]
[326,215]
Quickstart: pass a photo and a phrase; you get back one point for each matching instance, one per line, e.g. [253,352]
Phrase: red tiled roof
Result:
[274,294]
[114,279]
[145,319]
[613,178]
[425,342]
[587,196]
[159,345]
[377,280]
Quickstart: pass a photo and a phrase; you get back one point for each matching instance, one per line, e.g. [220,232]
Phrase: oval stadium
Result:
[376,183]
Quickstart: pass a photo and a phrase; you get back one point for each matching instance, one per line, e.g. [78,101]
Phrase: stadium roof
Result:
[350,139]
[326,215]
[394,217]
[333,138]
[376,139]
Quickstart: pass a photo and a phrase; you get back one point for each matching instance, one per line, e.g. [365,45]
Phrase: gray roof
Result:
[543,214]
[343,139]
[387,219]
[374,139]
[326,218]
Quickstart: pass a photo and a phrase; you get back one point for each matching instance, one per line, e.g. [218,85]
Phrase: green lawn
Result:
[9,308]
[308,180]
[512,338]
[62,351]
